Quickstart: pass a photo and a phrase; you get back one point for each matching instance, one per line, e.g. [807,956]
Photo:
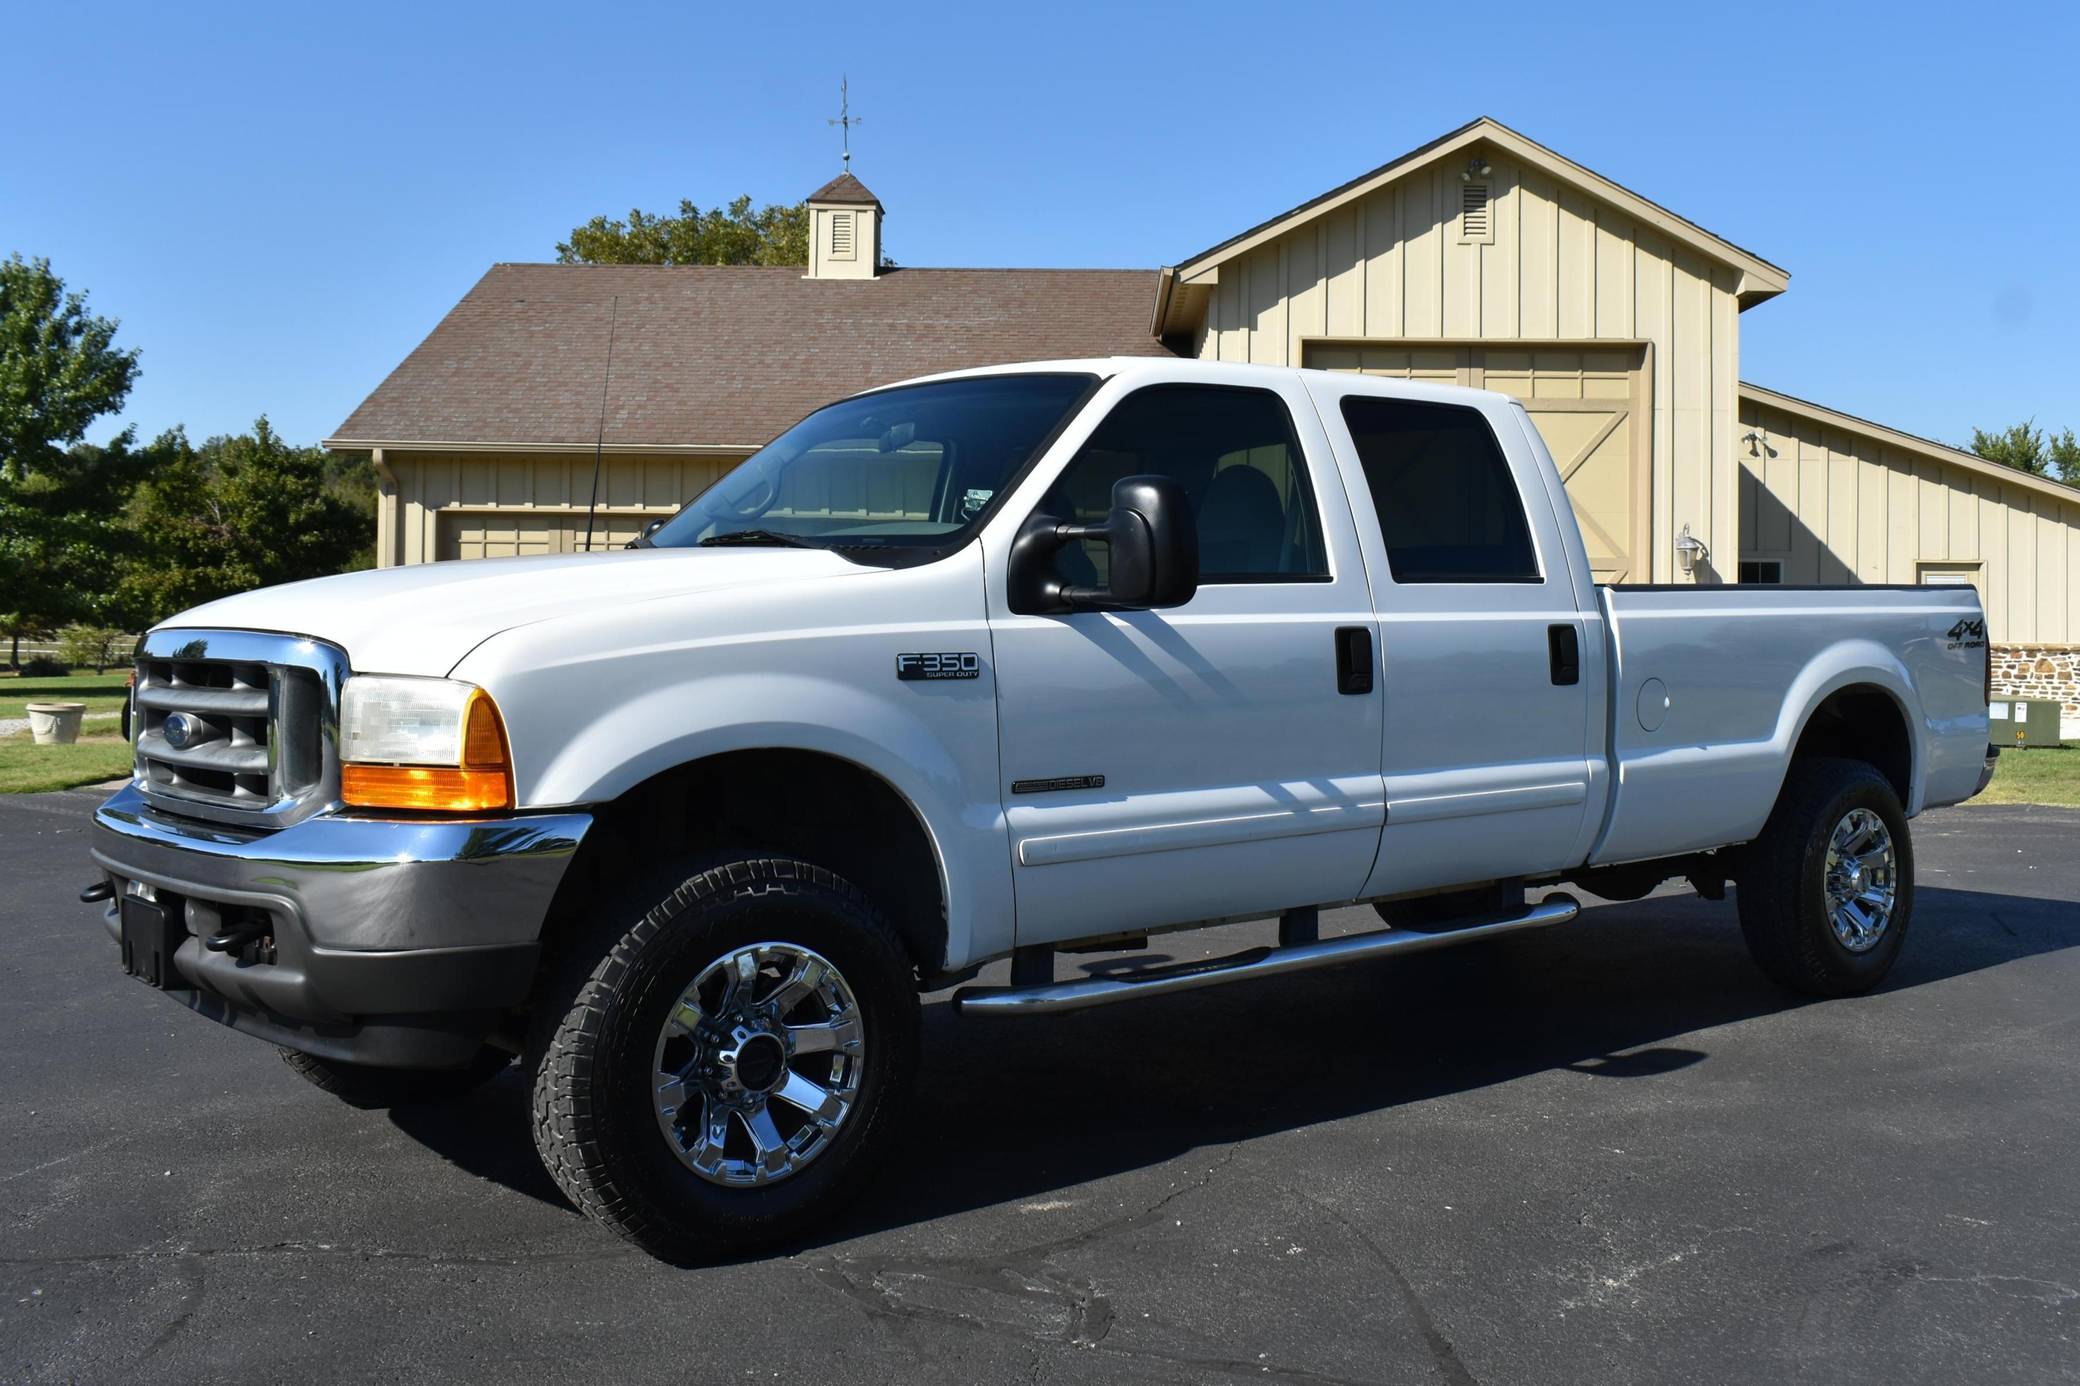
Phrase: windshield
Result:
[910,469]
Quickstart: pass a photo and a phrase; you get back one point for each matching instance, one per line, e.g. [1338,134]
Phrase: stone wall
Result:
[2041,671]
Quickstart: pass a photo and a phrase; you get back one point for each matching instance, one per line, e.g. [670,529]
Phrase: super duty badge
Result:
[964,664]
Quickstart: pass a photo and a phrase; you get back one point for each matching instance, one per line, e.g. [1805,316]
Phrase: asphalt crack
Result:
[1025,1295]
[1443,1355]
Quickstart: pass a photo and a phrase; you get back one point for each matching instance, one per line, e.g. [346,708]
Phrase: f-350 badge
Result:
[962,664]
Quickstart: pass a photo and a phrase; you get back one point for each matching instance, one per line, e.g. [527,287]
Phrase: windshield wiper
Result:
[771,538]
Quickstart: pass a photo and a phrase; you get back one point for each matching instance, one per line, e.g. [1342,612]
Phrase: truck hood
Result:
[424,618]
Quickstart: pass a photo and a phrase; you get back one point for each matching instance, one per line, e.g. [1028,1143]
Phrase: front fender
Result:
[650,732]
[595,707]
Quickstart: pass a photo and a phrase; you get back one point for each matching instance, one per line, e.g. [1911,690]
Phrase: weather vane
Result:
[845,119]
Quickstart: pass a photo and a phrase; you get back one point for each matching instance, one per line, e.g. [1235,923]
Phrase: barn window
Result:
[1476,223]
[841,235]
[1766,571]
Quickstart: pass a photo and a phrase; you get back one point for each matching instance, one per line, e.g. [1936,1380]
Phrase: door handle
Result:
[1353,659]
[1564,647]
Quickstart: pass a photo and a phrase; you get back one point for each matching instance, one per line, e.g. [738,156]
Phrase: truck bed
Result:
[1711,688]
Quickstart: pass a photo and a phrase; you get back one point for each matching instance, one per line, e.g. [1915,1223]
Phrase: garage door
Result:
[519,534]
[1589,405]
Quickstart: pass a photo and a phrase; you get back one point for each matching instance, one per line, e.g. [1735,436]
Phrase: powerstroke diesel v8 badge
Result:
[964,664]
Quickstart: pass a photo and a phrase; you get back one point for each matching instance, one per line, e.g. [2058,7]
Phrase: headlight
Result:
[417,743]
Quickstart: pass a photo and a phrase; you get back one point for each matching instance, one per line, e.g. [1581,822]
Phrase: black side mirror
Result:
[1154,547]
[642,541]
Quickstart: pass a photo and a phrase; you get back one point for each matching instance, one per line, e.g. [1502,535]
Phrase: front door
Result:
[1195,763]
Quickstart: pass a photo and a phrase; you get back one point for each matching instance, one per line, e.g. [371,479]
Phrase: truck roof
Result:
[1178,368]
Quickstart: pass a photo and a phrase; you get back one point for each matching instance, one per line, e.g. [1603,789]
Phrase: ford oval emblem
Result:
[179,729]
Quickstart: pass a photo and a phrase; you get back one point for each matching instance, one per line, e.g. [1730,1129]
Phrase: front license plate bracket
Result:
[152,932]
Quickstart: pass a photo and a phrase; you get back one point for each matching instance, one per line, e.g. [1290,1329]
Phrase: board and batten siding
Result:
[1834,505]
[434,489]
[1559,266]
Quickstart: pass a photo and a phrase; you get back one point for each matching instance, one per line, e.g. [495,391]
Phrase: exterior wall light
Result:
[1690,551]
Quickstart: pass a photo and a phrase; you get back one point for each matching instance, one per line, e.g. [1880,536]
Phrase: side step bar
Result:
[1057,997]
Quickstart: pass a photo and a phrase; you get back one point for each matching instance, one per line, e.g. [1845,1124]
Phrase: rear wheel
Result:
[1827,891]
[725,1070]
[360,1085]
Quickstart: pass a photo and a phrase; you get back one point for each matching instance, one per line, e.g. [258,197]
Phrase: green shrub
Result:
[44,667]
[95,647]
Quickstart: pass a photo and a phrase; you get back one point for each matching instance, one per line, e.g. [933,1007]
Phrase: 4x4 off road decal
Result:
[964,664]
[1967,635]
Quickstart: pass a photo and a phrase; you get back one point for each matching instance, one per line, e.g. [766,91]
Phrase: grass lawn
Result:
[27,768]
[100,692]
[2041,775]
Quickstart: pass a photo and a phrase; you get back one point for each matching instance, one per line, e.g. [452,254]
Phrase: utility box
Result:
[2023,721]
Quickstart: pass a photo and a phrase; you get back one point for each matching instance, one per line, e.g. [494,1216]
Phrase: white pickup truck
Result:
[1043,657]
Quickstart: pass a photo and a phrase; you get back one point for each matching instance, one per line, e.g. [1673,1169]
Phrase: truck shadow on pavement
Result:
[1016,1108]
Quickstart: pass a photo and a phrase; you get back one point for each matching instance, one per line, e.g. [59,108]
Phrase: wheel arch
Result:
[778,800]
[1862,719]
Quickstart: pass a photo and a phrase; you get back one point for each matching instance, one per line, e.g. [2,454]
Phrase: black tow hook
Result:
[96,893]
[234,939]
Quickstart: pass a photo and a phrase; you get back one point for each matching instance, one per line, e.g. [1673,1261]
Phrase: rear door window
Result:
[1448,505]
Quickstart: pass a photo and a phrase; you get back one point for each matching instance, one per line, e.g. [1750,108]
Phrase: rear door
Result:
[1485,656]
[1210,760]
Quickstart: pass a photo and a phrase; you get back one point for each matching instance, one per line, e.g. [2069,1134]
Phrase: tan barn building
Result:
[485,437]
[1482,258]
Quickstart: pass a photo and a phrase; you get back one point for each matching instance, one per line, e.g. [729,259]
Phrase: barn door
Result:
[518,534]
[1590,405]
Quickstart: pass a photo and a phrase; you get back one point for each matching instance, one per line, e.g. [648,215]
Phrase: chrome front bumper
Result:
[392,941]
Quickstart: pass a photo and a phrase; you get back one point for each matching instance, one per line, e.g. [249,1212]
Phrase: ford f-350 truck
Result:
[987,665]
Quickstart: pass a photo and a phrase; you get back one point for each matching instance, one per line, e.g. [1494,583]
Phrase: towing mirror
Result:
[1152,541]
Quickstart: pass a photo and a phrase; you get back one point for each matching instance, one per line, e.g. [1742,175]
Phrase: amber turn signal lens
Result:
[483,734]
[435,788]
[483,781]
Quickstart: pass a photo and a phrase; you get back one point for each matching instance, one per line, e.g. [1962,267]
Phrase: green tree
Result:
[59,371]
[2031,449]
[772,235]
[236,513]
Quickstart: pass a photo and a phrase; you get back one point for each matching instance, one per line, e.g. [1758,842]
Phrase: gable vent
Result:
[841,235]
[1476,225]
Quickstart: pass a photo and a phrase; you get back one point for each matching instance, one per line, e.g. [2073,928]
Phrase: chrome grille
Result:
[238,726]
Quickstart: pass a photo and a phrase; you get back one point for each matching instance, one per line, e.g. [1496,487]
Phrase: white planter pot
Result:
[55,724]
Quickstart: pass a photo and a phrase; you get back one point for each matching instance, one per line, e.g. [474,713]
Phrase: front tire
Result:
[1827,891]
[726,1070]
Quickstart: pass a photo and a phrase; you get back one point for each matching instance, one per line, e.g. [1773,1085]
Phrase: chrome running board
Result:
[1056,997]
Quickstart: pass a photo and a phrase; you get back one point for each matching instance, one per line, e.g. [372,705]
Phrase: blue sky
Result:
[278,202]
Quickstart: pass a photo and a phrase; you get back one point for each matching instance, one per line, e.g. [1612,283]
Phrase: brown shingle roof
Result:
[845,189]
[723,354]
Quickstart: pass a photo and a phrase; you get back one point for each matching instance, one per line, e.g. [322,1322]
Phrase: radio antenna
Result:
[599,441]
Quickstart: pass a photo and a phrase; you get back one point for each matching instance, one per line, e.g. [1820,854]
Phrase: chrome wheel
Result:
[758,1064]
[1862,880]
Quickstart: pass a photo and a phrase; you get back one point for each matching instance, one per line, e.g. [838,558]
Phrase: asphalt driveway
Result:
[1603,1152]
